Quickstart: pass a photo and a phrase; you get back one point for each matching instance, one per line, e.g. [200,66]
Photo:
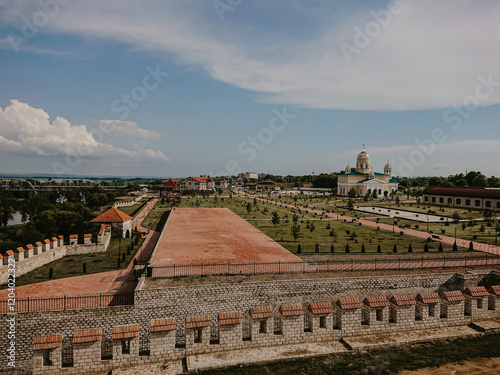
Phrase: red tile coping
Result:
[55,239]
[403,300]
[38,243]
[46,241]
[73,236]
[9,252]
[163,325]
[495,289]
[454,296]
[125,332]
[376,301]
[87,235]
[29,247]
[87,335]
[476,291]
[292,310]
[20,250]
[320,308]
[429,298]
[349,303]
[1,256]
[197,321]
[61,237]
[263,312]
[47,342]
[226,319]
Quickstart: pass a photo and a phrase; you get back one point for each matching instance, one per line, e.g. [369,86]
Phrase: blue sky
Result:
[177,88]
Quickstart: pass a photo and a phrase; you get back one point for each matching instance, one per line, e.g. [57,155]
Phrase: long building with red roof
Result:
[464,198]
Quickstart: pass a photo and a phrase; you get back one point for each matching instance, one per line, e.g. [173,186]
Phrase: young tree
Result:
[51,273]
[456,217]
[363,250]
[440,248]
[299,249]
[347,250]
[350,204]
[312,227]
[352,193]
[316,249]
[455,247]
[249,207]
[379,249]
[471,246]
[84,267]
[410,249]
[375,194]
[275,219]
[295,230]
[395,249]
[332,249]
[426,248]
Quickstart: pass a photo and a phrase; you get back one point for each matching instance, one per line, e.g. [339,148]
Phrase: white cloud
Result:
[473,146]
[128,128]
[26,130]
[430,55]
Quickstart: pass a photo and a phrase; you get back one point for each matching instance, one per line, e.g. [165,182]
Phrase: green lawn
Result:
[382,361]
[344,233]
[133,210]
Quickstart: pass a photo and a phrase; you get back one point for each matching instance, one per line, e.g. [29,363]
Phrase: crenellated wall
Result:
[187,319]
[33,256]
[345,320]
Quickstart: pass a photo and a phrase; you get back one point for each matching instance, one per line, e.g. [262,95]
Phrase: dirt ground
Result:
[215,235]
[477,366]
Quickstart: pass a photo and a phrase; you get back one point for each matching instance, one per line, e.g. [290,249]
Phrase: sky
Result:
[219,87]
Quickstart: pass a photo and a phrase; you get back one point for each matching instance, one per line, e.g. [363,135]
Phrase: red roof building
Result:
[464,198]
[112,215]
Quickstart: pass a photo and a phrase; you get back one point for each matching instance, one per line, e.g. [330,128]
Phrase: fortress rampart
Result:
[32,256]
[177,322]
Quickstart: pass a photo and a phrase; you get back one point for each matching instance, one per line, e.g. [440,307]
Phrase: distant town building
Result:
[267,186]
[251,175]
[363,180]
[197,183]
[465,198]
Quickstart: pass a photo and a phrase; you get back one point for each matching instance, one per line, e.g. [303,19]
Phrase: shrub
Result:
[363,250]
[51,273]
[299,249]
[347,250]
[440,249]
[84,267]
[395,249]
[455,247]
[332,249]
[410,249]
[426,248]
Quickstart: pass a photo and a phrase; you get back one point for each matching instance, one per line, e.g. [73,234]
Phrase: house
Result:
[197,183]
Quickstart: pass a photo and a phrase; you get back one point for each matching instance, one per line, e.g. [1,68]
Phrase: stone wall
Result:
[200,301]
[47,251]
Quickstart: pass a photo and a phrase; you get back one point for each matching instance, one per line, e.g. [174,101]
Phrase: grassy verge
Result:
[389,361]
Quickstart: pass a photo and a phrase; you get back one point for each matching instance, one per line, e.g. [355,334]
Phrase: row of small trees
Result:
[347,248]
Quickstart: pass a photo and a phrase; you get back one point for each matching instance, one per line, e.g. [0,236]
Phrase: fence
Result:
[320,266]
[65,303]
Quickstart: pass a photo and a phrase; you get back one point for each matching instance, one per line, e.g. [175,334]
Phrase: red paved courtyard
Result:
[214,235]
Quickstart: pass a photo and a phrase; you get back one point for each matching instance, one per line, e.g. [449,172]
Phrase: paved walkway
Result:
[479,246]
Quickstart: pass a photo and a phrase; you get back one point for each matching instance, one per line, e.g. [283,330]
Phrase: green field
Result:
[339,234]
